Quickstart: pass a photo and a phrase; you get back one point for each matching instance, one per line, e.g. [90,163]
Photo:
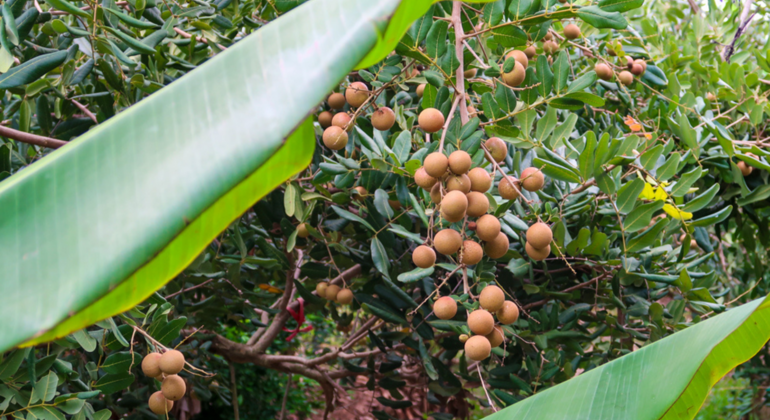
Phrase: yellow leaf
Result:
[270,289]
[676,213]
[647,193]
[660,194]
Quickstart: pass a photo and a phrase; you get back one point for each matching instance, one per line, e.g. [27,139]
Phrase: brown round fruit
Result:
[171,362]
[435,193]
[459,183]
[459,162]
[603,71]
[496,337]
[320,288]
[572,31]
[436,164]
[642,63]
[537,254]
[481,181]
[492,298]
[424,256]
[423,180]
[159,404]
[383,118]
[539,235]
[345,297]
[626,77]
[302,230]
[637,69]
[332,291]
[445,308]
[478,204]
[325,119]
[420,89]
[548,36]
[711,97]
[521,57]
[356,94]
[481,322]
[516,76]
[508,190]
[431,120]
[335,138]
[341,120]
[360,194]
[336,101]
[532,179]
[477,348]
[447,241]
[629,62]
[395,204]
[173,387]
[470,73]
[471,253]
[487,227]
[550,47]
[453,206]
[497,148]
[746,170]
[498,247]
[508,314]
[150,366]
[530,51]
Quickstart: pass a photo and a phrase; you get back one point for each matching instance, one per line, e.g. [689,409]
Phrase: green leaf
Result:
[628,194]
[556,171]
[546,124]
[414,275]
[10,24]
[45,388]
[602,19]
[586,158]
[701,200]
[685,182]
[510,36]
[641,216]
[560,71]
[352,217]
[647,237]
[380,257]
[506,100]
[519,8]
[85,340]
[436,44]
[11,364]
[650,157]
[669,167]
[713,219]
[130,20]
[582,82]
[586,98]
[66,6]
[620,5]
[119,362]
[546,76]
[114,382]
[31,70]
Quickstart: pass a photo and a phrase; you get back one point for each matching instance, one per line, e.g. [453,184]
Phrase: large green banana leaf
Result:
[669,379]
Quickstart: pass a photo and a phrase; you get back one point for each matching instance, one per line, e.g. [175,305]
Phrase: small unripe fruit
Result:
[550,47]
[492,298]
[516,76]
[507,189]
[341,120]
[496,337]
[498,247]
[471,110]
[487,227]
[626,77]
[159,404]
[539,235]
[571,31]
[603,71]
[710,97]
[420,90]
[453,206]
[537,254]
[447,241]
[320,289]
[345,297]
[471,226]
[431,120]
[611,52]
[423,180]
[335,138]
[331,292]
[356,94]
[325,119]
[508,314]
[435,193]
[520,57]
[302,230]
[478,204]
[173,388]
[481,322]
[637,69]
[548,36]
[470,73]
[459,162]
[463,337]
[497,148]
[481,181]
[383,118]
[150,365]
[477,348]
[424,256]
[171,362]
[532,179]
[459,183]
[530,51]
[445,308]
[436,164]
[336,101]
[746,170]
[471,253]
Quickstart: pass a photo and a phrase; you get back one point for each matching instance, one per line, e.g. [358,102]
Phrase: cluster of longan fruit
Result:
[515,77]
[334,293]
[745,168]
[336,125]
[481,322]
[165,367]
[632,68]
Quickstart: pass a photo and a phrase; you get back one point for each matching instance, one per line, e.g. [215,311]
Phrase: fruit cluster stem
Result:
[459,47]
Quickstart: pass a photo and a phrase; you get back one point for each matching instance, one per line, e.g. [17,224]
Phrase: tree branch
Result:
[745,20]
[30,138]
[459,37]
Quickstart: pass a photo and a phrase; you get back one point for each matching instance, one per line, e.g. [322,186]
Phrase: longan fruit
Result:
[150,365]
[459,183]
[481,180]
[335,138]
[383,118]
[436,164]
[431,120]
[481,322]
[487,227]
[445,308]
[459,162]
[539,235]
[516,76]
[530,51]
[171,362]
[507,189]
[423,180]
[341,120]
[497,148]
[420,90]
[520,57]
[492,298]
[711,97]
[642,63]
[548,36]
[477,348]
[478,204]
[356,94]
[508,314]
[463,337]
[424,256]
[453,206]
[550,47]
[447,241]
[159,404]
[626,77]
[637,69]
[336,101]
[496,337]
[571,31]
[325,119]
[173,387]
[537,254]
[470,73]
[395,204]
[320,288]
[332,291]
[532,179]
[362,193]
[302,230]
[498,247]
[746,170]
[435,193]
[629,62]
[345,297]
[603,71]
[471,253]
